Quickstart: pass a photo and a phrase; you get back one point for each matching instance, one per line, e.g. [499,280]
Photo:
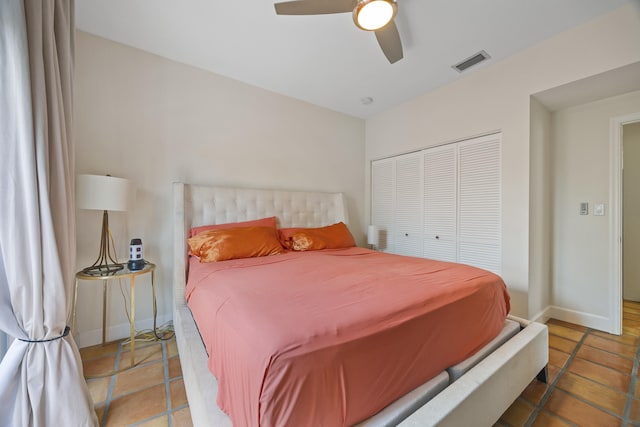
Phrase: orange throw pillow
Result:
[309,239]
[262,222]
[233,243]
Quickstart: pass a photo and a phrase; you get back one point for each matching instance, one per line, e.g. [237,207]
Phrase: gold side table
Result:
[125,273]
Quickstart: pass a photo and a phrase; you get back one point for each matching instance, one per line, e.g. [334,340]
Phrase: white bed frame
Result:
[478,398]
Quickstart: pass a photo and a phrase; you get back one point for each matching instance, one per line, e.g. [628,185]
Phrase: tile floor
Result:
[151,394]
[593,381]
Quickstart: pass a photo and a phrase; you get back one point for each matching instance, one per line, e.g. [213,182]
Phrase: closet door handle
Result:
[437,237]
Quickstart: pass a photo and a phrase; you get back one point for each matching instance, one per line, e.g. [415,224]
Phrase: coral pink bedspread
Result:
[329,338]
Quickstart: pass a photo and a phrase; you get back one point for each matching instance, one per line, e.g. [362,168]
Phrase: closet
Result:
[442,203]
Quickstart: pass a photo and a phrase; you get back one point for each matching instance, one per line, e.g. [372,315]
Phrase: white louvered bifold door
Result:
[382,205]
[479,203]
[408,205]
[440,203]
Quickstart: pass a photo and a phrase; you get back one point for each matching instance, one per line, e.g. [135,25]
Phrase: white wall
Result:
[155,121]
[581,243]
[631,212]
[540,233]
[497,97]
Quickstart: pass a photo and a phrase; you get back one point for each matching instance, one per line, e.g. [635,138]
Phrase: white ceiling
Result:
[326,60]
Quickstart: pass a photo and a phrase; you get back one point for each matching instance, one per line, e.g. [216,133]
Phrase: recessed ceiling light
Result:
[366,100]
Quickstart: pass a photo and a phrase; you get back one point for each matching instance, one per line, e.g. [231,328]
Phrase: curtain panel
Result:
[41,380]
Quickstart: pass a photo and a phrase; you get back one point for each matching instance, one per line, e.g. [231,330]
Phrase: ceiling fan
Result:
[368,15]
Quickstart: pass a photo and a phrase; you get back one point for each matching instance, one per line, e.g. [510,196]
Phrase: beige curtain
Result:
[41,381]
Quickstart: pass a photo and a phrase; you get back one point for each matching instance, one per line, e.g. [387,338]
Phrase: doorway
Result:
[619,127]
[631,212]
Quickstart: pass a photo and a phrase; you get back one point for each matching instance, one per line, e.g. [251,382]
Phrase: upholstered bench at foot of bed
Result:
[510,329]
[485,391]
[393,414]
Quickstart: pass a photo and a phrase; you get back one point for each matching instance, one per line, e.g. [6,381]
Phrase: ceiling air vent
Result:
[471,61]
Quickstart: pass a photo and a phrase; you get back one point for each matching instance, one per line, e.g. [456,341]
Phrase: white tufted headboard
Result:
[196,205]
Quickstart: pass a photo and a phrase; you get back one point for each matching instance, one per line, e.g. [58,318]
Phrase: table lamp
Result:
[372,236]
[105,193]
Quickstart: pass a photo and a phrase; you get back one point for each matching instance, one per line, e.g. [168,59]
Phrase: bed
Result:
[475,391]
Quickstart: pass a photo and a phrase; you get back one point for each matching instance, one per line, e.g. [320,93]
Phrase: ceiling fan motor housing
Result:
[372,15]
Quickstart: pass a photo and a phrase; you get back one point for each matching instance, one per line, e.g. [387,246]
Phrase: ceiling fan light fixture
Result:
[371,15]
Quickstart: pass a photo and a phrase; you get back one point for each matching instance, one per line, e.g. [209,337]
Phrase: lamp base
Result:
[105,265]
[102,270]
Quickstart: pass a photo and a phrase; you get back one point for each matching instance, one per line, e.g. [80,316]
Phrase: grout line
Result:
[624,418]
[159,415]
[632,388]
[146,420]
[119,357]
[551,387]
[167,388]
[112,383]
[613,389]
[178,408]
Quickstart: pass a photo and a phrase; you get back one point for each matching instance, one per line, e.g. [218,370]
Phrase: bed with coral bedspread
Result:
[335,336]
[331,337]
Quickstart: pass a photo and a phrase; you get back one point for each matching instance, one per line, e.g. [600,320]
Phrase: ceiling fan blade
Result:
[389,40]
[314,7]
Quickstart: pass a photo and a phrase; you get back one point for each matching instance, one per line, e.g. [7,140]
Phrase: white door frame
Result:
[615,219]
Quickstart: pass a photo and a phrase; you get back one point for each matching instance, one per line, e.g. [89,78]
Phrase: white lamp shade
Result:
[372,235]
[102,192]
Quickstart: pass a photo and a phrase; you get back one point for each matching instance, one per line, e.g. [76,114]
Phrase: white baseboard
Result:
[115,332]
[542,316]
[589,320]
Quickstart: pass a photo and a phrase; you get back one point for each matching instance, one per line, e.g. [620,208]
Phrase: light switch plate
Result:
[584,208]
[598,209]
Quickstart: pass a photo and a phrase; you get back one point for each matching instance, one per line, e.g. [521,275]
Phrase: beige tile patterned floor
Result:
[149,394]
[593,381]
